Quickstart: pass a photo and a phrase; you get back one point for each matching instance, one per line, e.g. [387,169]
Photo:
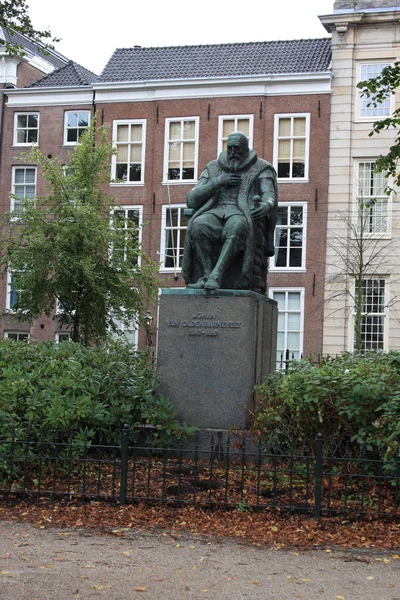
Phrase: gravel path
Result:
[64,564]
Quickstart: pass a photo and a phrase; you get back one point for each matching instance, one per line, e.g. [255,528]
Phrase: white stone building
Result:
[365,38]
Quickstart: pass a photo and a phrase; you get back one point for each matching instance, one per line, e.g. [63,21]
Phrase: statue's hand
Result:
[262,210]
[229,179]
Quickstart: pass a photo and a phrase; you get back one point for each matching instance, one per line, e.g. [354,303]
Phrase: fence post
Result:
[124,464]
[318,476]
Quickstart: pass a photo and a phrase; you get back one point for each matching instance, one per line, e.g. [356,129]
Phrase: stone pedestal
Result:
[213,348]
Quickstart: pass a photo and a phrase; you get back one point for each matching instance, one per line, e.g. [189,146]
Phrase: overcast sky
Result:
[91,29]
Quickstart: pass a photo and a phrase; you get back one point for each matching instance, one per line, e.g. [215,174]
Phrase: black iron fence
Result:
[214,469]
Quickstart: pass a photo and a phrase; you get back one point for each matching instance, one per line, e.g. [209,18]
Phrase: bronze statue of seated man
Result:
[235,204]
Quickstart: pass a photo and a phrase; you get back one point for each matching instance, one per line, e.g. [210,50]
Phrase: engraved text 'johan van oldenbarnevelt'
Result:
[205,324]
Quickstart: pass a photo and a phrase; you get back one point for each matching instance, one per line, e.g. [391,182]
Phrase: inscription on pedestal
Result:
[204,324]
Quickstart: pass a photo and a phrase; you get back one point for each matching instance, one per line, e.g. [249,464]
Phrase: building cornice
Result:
[68,96]
[365,17]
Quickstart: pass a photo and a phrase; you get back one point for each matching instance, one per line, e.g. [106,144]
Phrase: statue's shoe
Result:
[212,283]
[199,285]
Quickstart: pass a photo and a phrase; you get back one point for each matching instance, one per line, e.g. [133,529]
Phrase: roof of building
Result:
[70,75]
[33,48]
[222,60]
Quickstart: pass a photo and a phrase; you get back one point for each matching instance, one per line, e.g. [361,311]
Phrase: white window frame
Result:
[288,290]
[384,314]
[123,328]
[125,208]
[383,199]
[116,123]
[360,100]
[27,128]
[166,149]
[302,268]
[292,116]
[235,118]
[14,183]
[18,333]
[62,333]
[66,128]
[165,208]
[9,308]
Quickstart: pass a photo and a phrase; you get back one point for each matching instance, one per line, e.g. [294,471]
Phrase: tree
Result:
[75,246]
[358,257]
[377,90]
[14,16]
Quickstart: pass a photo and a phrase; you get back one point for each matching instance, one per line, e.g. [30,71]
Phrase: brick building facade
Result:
[168,111]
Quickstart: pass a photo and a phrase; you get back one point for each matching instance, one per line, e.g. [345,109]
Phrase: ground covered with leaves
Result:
[261,528]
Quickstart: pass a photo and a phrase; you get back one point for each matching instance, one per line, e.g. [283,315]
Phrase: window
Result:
[17,336]
[181,149]
[290,322]
[62,337]
[128,219]
[383,109]
[372,201]
[13,292]
[374,314]
[26,129]
[291,146]
[174,225]
[75,124]
[128,332]
[129,140]
[229,124]
[290,237]
[23,186]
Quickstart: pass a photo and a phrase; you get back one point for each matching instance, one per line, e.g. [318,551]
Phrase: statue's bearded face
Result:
[237,149]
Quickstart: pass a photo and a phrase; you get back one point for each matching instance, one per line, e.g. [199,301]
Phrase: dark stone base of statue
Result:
[213,348]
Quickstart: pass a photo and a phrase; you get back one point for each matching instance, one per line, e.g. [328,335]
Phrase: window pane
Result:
[294,321]
[189,130]
[72,135]
[122,153]
[122,133]
[122,171]
[175,131]
[243,125]
[32,121]
[136,133]
[299,150]
[72,119]
[294,301]
[228,126]
[30,175]
[299,127]
[136,153]
[283,150]
[19,175]
[280,298]
[135,172]
[21,137]
[284,127]
[22,121]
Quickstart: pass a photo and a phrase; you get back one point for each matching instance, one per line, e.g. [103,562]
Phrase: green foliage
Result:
[72,388]
[351,397]
[65,246]
[15,17]
[376,90]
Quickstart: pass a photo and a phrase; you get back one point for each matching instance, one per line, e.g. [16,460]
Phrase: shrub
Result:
[350,398]
[69,387]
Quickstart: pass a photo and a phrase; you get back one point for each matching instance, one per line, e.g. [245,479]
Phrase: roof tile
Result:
[222,60]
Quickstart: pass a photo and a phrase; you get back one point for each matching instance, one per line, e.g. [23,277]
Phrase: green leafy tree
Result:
[74,246]
[14,16]
[377,90]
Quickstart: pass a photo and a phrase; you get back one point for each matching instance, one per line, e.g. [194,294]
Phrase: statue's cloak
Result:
[251,170]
